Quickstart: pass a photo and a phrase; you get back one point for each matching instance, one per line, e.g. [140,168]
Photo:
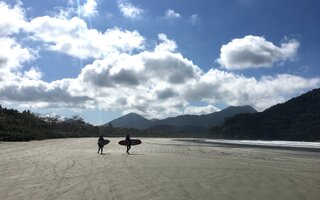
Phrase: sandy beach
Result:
[156,169]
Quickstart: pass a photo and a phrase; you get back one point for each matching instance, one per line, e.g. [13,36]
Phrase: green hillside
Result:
[23,126]
[297,119]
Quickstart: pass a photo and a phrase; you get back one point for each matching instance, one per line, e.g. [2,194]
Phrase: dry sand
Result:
[157,169]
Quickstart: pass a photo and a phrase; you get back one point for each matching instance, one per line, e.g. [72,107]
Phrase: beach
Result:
[156,169]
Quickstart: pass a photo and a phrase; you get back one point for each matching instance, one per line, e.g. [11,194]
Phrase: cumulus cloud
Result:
[12,19]
[219,86]
[166,44]
[73,8]
[26,86]
[113,72]
[33,74]
[142,82]
[146,67]
[171,14]
[130,11]
[170,67]
[200,110]
[13,55]
[69,35]
[166,93]
[254,52]
[89,8]
[73,37]
[43,93]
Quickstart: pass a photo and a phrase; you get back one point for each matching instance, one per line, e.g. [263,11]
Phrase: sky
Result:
[101,59]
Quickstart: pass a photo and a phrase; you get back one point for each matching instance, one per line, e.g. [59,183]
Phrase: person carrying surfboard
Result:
[128,141]
[101,143]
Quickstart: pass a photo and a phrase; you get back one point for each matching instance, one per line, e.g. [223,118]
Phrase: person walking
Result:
[128,141]
[100,144]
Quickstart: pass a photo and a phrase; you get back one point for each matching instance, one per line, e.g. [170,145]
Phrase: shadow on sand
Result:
[104,154]
[135,154]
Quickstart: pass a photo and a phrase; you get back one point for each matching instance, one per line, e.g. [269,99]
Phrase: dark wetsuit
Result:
[100,144]
[128,143]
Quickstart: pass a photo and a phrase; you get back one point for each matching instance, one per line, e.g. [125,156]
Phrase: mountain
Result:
[133,120]
[207,120]
[296,119]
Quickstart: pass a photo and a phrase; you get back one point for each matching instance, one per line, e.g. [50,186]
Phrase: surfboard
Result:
[105,142]
[133,142]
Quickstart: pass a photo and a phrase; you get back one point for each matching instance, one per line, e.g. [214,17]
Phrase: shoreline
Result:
[262,146]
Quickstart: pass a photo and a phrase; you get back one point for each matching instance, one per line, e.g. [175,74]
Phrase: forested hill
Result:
[22,126]
[297,119]
[25,126]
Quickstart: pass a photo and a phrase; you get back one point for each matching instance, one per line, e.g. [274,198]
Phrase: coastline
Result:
[212,142]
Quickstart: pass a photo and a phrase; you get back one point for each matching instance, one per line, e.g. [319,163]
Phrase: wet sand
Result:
[157,169]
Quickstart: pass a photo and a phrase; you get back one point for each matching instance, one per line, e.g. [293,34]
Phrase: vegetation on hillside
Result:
[297,119]
[25,126]
[22,126]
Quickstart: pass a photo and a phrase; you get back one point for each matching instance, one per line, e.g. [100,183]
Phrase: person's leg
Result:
[128,148]
[98,149]
[101,150]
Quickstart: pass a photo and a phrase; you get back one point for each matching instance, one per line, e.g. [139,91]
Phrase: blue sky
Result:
[101,59]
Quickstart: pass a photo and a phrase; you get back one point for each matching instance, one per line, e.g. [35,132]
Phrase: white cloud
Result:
[73,8]
[169,67]
[33,74]
[141,82]
[130,11]
[89,8]
[54,94]
[219,86]
[254,52]
[54,115]
[13,55]
[200,110]
[69,36]
[132,70]
[74,38]
[166,44]
[171,14]
[12,19]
